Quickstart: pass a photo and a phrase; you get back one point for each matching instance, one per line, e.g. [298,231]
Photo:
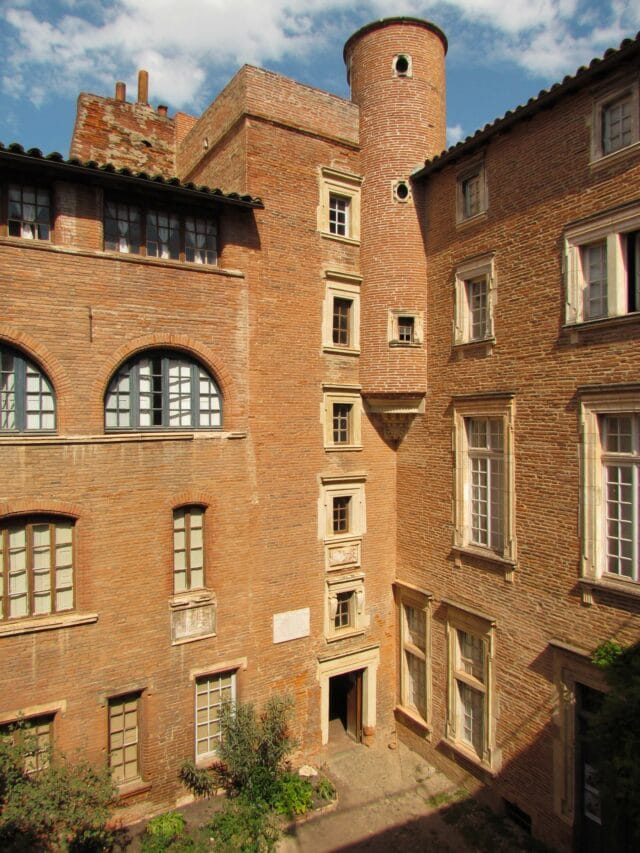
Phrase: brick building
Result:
[356,428]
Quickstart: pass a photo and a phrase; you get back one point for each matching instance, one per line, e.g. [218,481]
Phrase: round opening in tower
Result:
[401,190]
[402,65]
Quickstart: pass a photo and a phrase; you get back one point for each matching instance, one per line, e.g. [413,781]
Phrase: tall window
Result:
[212,692]
[486,476]
[471,195]
[188,548]
[341,313]
[338,215]
[594,270]
[475,295]
[36,567]
[620,438]
[341,322]
[29,212]
[617,124]
[470,689]
[124,738]
[413,664]
[341,514]
[27,401]
[162,390]
[344,610]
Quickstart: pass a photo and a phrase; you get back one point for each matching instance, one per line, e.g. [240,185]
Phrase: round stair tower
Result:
[396,71]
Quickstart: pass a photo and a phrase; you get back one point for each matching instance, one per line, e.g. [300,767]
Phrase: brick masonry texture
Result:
[254,322]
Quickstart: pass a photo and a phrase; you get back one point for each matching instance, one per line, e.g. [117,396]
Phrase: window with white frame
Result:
[342,418]
[188,548]
[134,229]
[27,401]
[611,487]
[414,617]
[475,297]
[342,507]
[124,738]
[470,724]
[213,692]
[602,264]
[484,476]
[339,209]
[162,390]
[405,327]
[345,613]
[29,212]
[471,192]
[36,566]
[616,121]
[341,315]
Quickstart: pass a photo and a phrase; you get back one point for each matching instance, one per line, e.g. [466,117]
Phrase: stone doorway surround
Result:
[366,660]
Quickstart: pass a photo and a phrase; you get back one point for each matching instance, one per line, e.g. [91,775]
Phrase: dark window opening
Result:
[406,329]
[402,64]
[633,270]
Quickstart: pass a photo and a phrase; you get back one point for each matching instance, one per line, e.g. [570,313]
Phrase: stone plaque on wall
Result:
[291,625]
[343,554]
[193,622]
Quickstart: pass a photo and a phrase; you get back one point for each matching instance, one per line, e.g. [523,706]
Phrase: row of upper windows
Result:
[124,728]
[37,561]
[484,483]
[128,228]
[155,390]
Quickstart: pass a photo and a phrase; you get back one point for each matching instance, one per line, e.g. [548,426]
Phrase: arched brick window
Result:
[161,389]
[27,400]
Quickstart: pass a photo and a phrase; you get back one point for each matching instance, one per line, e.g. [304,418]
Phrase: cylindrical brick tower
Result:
[396,70]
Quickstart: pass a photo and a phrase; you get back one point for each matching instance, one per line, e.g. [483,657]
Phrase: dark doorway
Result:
[589,812]
[345,702]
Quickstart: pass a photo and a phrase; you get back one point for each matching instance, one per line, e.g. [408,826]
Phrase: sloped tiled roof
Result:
[126,178]
[546,98]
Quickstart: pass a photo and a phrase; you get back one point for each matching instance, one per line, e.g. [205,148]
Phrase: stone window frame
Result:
[394,324]
[337,486]
[27,228]
[351,585]
[609,229]
[419,599]
[500,405]
[471,270]
[594,403]
[341,285]
[122,397]
[482,628]
[347,395]
[18,394]
[397,59]
[345,185]
[470,172]
[178,246]
[57,586]
[626,90]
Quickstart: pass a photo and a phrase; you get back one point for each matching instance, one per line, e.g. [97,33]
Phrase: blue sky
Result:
[501,52]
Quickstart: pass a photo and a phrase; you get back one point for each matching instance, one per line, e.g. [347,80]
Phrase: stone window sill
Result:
[470,757]
[414,718]
[133,788]
[609,586]
[341,350]
[575,329]
[346,635]
[340,239]
[504,564]
[50,622]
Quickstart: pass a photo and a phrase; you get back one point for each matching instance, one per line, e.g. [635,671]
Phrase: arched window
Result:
[36,566]
[162,390]
[27,401]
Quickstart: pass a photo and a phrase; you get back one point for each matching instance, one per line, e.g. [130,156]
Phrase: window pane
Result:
[29,212]
[341,321]
[338,215]
[415,626]
[616,125]
[594,270]
[200,240]
[416,683]
[471,717]
[123,738]
[470,655]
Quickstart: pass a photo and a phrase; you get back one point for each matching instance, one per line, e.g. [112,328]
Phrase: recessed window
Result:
[345,614]
[36,566]
[29,212]
[602,263]
[124,738]
[342,508]
[405,328]
[402,65]
[27,401]
[401,191]
[341,514]
[339,209]
[188,548]
[212,692]
[475,296]
[414,658]
[342,419]
[484,477]
[162,390]
[341,318]
[471,198]
[344,610]
[36,735]
[131,229]
[616,121]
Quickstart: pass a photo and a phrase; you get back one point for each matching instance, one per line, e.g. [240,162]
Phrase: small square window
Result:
[342,508]
[616,121]
[405,328]
[471,193]
[345,607]
[29,212]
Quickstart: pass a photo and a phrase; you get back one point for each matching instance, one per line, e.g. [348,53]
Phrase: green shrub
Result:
[65,806]
[294,795]
[325,790]
[244,825]
[199,781]
[161,831]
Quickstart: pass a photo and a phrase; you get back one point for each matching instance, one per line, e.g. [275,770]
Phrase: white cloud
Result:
[187,46]
[455,134]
